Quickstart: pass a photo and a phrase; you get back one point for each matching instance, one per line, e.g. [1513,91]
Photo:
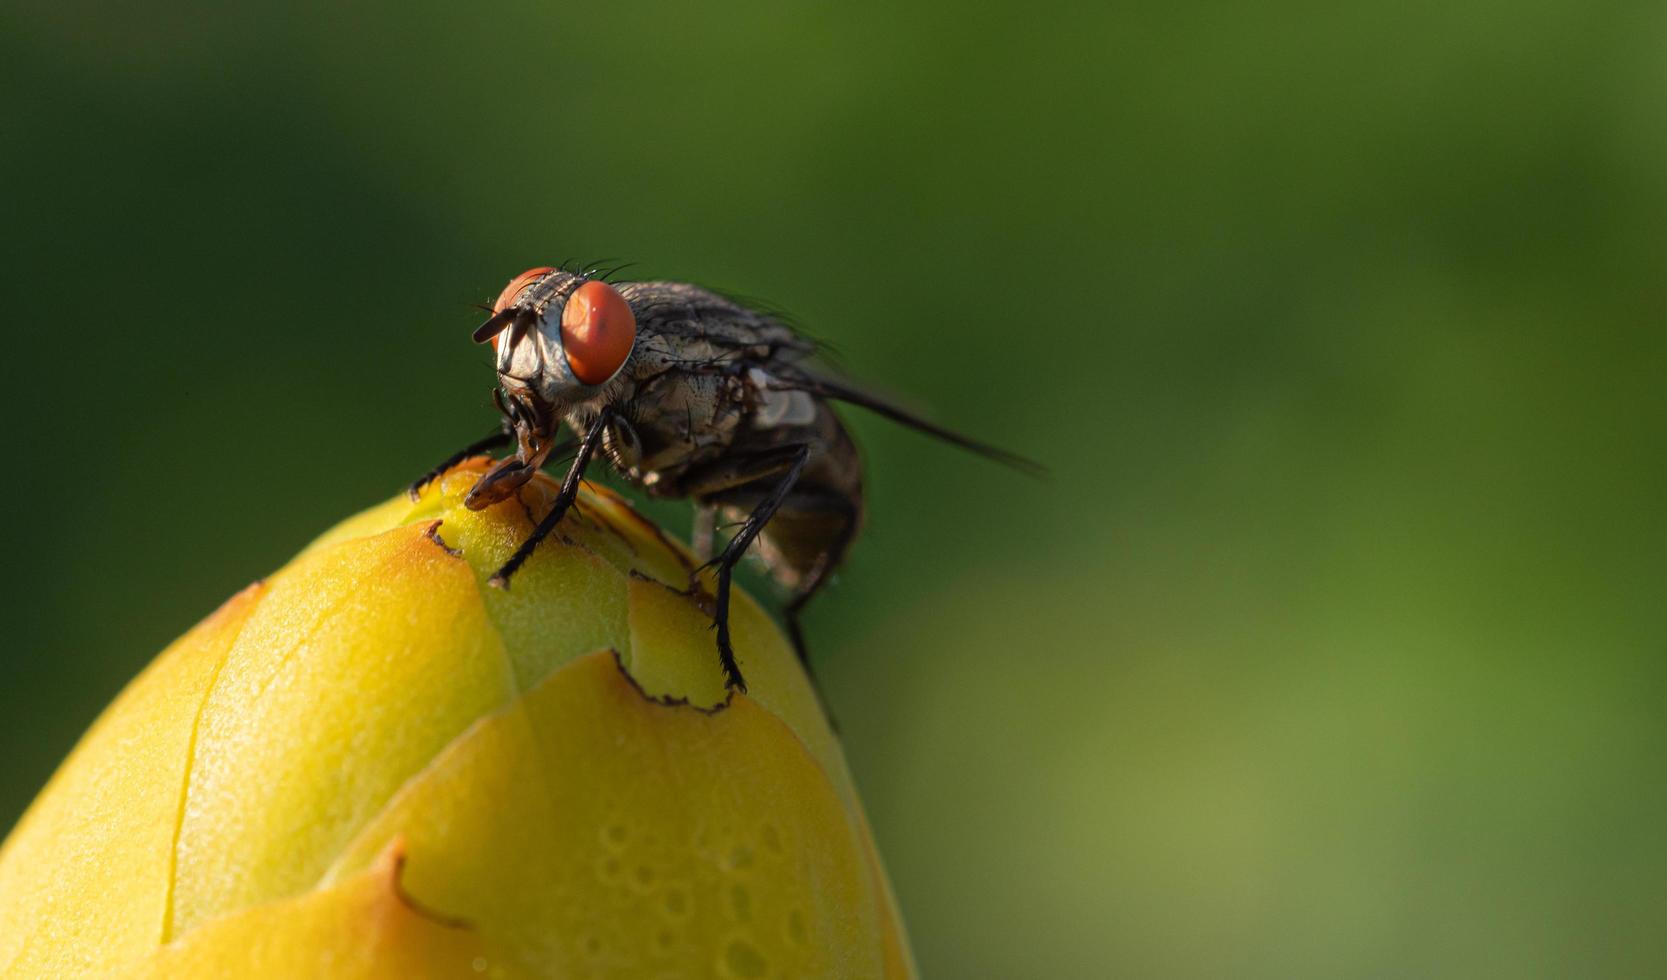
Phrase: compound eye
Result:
[516,286]
[496,325]
[598,330]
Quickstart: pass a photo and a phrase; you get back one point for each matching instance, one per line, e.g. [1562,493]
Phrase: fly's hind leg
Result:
[783,464]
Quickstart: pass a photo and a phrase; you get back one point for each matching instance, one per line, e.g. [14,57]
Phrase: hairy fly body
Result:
[687,394]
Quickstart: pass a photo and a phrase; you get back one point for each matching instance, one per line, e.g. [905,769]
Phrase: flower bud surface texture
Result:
[373,764]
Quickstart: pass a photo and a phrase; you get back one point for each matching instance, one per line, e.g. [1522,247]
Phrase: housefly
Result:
[687,394]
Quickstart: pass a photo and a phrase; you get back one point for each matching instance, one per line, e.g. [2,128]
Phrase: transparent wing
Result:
[797,378]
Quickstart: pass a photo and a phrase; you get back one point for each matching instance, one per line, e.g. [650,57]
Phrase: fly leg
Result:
[481,445]
[786,460]
[836,518]
[564,499]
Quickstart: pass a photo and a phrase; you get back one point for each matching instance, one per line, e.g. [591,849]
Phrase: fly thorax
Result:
[774,407]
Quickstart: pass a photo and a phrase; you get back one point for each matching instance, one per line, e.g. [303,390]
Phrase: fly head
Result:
[559,338]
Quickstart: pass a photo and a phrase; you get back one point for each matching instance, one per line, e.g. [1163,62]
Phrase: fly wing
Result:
[798,379]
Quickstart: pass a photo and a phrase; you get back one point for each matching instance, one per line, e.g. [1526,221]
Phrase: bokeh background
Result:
[1335,645]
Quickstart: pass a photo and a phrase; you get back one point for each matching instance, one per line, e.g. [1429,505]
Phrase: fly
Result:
[687,394]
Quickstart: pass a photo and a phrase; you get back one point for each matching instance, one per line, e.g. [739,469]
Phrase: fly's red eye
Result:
[513,291]
[520,282]
[598,330]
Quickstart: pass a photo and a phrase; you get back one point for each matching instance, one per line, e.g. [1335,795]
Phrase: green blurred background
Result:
[1334,647]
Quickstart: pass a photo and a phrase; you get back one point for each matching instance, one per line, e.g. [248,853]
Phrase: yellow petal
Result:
[563,601]
[377,690]
[567,600]
[653,554]
[590,831]
[385,516]
[84,877]
[364,928]
[363,660]
[672,655]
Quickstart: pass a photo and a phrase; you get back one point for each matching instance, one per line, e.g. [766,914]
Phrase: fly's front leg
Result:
[564,499]
[787,460]
[499,438]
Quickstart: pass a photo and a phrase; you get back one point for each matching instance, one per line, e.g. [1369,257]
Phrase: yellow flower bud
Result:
[375,765]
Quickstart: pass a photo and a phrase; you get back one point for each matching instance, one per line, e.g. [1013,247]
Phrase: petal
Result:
[652,553]
[364,659]
[569,599]
[385,516]
[672,653]
[565,601]
[364,928]
[590,831]
[84,877]
[376,690]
